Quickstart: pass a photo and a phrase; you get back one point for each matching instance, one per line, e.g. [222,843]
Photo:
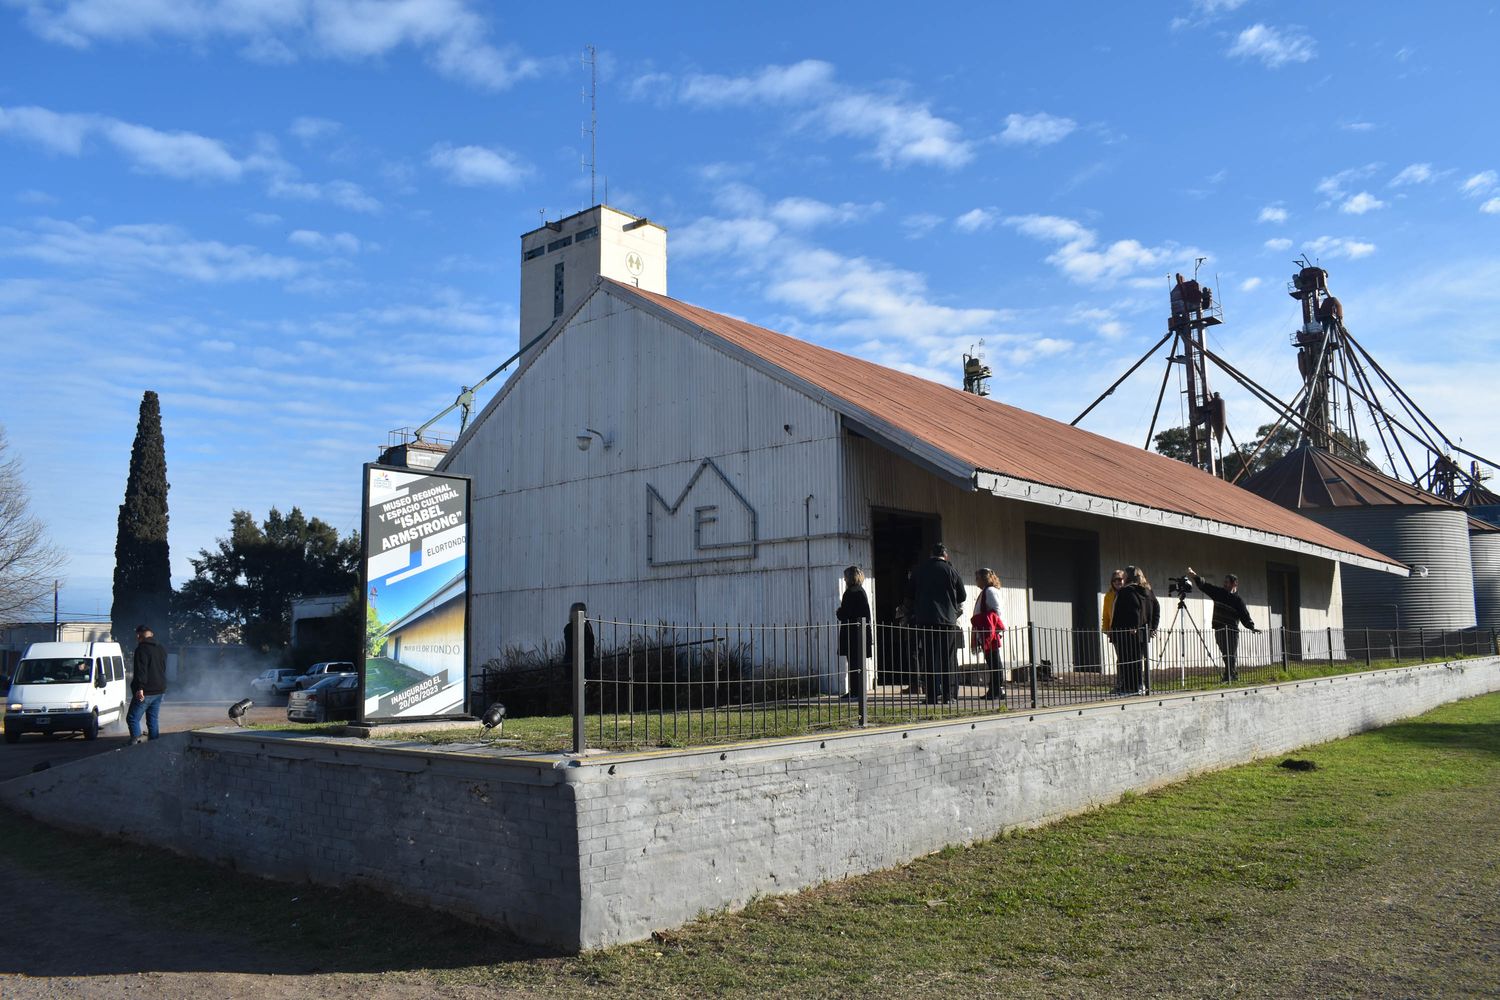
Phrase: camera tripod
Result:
[1183,611]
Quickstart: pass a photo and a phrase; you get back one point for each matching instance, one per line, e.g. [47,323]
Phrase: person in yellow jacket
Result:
[1116,581]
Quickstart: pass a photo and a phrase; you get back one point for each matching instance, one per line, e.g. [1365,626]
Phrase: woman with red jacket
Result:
[988,627]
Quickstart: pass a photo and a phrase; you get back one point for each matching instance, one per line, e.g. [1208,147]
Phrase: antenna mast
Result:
[591,60]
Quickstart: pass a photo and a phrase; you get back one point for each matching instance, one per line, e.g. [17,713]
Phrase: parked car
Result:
[336,696]
[267,681]
[62,687]
[318,671]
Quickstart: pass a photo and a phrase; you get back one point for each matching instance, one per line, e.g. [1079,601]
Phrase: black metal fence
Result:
[678,685]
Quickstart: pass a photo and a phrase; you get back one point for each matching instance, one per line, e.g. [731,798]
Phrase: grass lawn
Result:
[1375,874]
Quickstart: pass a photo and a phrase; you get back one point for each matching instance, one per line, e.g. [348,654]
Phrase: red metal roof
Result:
[986,435]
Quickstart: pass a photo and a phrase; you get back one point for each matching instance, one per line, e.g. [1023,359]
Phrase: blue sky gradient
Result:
[298,220]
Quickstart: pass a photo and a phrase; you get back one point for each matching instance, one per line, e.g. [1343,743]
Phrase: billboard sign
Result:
[416,587]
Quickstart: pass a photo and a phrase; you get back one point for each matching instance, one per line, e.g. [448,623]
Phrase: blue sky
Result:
[298,220]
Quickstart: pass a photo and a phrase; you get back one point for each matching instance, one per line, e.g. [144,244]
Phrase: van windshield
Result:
[63,670]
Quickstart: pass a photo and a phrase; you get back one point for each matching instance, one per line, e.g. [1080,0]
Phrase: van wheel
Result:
[91,727]
[12,736]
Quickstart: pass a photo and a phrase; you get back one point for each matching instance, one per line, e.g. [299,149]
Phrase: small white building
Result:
[665,463]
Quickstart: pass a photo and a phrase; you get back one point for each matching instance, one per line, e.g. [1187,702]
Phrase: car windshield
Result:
[331,681]
[62,670]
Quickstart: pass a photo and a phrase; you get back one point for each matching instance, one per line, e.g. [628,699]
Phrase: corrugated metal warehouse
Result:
[731,472]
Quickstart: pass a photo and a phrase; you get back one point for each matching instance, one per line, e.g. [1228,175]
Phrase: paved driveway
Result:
[21,758]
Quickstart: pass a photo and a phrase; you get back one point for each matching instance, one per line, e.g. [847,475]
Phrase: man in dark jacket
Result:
[1229,613]
[148,682]
[938,600]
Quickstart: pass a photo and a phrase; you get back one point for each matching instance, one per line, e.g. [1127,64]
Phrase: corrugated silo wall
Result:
[1484,554]
[1434,537]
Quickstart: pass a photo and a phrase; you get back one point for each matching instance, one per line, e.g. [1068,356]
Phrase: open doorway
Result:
[1284,598]
[1062,575]
[899,540]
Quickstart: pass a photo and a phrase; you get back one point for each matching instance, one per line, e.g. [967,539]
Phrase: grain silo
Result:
[1484,556]
[1429,534]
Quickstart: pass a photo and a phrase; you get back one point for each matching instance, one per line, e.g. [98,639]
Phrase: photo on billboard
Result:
[416,594]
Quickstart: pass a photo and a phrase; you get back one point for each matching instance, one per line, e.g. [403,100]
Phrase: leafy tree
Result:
[28,561]
[1175,443]
[243,590]
[143,572]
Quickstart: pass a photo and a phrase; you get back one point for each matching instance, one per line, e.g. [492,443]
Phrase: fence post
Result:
[1330,647]
[1368,662]
[1031,655]
[1146,657]
[858,650]
[1422,644]
[579,624]
[1286,665]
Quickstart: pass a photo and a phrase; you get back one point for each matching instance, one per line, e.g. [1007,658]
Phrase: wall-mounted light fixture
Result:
[586,438]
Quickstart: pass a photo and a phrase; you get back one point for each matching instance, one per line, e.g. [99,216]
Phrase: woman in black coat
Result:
[1137,616]
[853,609]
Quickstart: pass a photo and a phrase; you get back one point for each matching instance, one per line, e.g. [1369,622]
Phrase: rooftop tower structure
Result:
[560,261]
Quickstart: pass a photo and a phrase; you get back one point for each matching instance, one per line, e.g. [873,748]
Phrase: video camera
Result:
[1179,586]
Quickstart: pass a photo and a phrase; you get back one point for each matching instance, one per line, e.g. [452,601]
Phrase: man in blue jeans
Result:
[148,682]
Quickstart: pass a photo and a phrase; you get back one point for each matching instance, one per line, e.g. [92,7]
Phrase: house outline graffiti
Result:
[703,517]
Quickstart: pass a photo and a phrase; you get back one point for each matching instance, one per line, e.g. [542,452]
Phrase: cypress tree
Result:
[143,572]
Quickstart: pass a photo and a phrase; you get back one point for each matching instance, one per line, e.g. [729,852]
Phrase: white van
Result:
[63,687]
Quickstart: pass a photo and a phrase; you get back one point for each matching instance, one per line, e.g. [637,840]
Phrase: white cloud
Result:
[1491,207]
[919,224]
[183,155]
[31,196]
[311,129]
[58,133]
[1279,244]
[1250,284]
[799,83]
[477,166]
[710,237]
[263,219]
[159,248]
[1083,259]
[1337,185]
[345,194]
[1272,46]
[179,155]
[808,213]
[329,243]
[904,132]
[1217,6]
[1416,173]
[888,312]
[450,33]
[1338,246]
[976,220]
[1358,126]
[1040,129]
[1105,322]
[1272,213]
[1361,203]
[1480,184]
